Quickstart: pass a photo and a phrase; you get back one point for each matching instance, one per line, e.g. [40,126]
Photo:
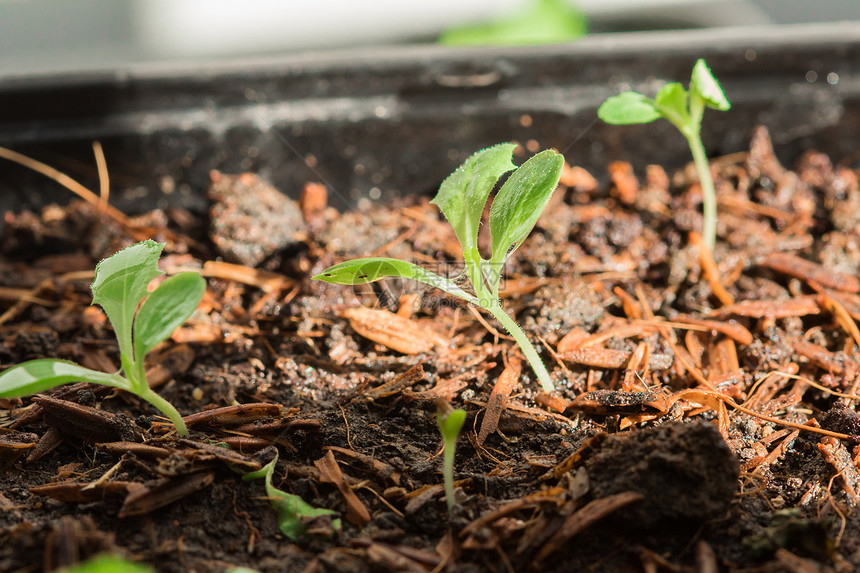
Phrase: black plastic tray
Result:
[388,121]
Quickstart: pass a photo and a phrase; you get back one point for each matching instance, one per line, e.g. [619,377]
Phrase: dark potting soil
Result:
[692,387]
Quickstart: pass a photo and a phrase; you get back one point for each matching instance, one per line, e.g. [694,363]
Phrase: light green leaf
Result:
[39,375]
[520,202]
[367,270]
[544,22]
[463,195]
[105,563]
[673,97]
[120,284]
[628,108]
[165,309]
[450,424]
[292,510]
[708,88]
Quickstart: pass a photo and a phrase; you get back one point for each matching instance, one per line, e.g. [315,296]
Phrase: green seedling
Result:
[450,423]
[141,320]
[684,109]
[462,198]
[293,512]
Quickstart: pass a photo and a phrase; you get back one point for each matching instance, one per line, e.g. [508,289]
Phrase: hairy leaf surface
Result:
[361,271]
[463,195]
[165,310]
[521,200]
[39,375]
[120,284]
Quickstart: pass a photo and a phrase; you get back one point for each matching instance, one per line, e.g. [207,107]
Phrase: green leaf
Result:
[39,375]
[708,88]
[105,563]
[463,195]
[628,108]
[367,270]
[292,510]
[450,424]
[544,22]
[520,201]
[120,284]
[673,97]
[165,309]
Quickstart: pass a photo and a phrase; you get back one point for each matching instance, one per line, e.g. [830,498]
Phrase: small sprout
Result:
[462,198]
[684,110]
[293,512]
[141,320]
[450,423]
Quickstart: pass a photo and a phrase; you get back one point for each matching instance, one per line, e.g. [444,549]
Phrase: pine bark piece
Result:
[395,332]
[783,308]
[356,511]
[144,499]
[797,267]
[498,400]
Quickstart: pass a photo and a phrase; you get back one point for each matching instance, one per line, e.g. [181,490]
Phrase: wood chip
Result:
[382,469]
[144,499]
[803,269]
[577,178]
[782,308]
[598,357]
[606,402]
[235,414]
[731,328]
[356,511]
[838,364]
[625,185]
[498,400]
[313,200]
[837,455]
[395,332]
[82,492]
[403,380]
[590,514]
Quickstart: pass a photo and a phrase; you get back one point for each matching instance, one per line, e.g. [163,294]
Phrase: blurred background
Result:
[58,35]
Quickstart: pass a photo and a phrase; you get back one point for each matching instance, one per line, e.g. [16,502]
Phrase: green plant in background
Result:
[462,198]
[684,109]
[293,512]
[450,423]
[543,22]
[106,563]
[141,320]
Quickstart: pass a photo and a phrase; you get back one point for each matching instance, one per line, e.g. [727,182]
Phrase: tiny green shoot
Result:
[293,512]
[684,109]
[461,198]
[141,320]
[450,423]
